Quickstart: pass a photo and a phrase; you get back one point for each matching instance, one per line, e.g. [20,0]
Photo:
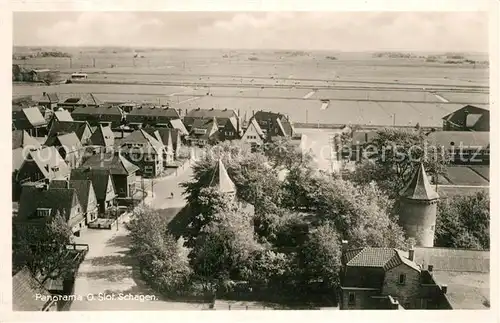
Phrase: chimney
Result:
[345,244]
[466,113]
[253,113]
[430,268]
[366,136]
[411,254]
[444,289]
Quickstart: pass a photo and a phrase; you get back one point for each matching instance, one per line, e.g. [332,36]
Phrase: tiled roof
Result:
[210,113]
[255,124]
[24,289]
[57,199]
[141,136]
[466,290]
[178,124]
[63,115]
[117,164]
[64,127]
[221,179]
[100,179]
[69,142]
[464,138]
[21,139]
[103,136]
[80,98]
[419,187]
[154,111]
[459,260]
[109,110]
[47,158]
[34,116]
[50,97]
[386,258]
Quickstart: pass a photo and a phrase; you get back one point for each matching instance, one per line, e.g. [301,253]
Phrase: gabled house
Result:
[274,124]
[204,132]
[44,164]
[179,125]
[49,100]
[468,118]
[253,134]
[122,171]
[85,193]
[29,119]
[22,143]
[384,278]
[145,115]
[74,101]
[102,184]
[170,138]
[104,137]
[228,122]
[143,150]
[80,128]
[464,147]
[59,115]
[39,202]
[29,295]
[105,115]
[69,146]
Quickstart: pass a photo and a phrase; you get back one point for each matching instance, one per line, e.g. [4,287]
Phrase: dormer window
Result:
[43,212]
[55,168]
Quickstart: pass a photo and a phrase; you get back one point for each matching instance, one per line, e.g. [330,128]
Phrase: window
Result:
[43,212]
[402,279]
[352,299]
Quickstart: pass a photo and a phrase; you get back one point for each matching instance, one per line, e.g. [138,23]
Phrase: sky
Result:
[346,31]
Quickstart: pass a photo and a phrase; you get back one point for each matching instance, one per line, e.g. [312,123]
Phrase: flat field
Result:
[361,89]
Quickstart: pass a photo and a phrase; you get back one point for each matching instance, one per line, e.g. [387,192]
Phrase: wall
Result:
[121,185]
[29,170]
[419,221]
[407,293]
[363,299]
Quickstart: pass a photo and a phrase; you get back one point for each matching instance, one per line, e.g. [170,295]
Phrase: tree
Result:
[283,153]
[41,246]
[464,222]
[320,256]
[394,155]
[225,248]
[164,261]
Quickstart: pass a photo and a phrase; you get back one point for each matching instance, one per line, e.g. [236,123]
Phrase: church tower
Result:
[222,181]
[418,209]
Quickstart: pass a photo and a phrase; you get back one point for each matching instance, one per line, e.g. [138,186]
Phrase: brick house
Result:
[468,118]
[385,278]
[274,124]
[105,115]
[228,122]
[69,146]
[80,128]
[39,202]
[102,183]
[122,171]
[204,132]
[145,115]
[144,151]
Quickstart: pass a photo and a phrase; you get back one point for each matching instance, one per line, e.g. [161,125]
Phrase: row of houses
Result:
[197,127]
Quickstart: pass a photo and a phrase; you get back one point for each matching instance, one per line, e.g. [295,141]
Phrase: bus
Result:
[78,76]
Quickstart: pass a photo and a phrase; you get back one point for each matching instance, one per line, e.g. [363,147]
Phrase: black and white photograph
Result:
[244,160]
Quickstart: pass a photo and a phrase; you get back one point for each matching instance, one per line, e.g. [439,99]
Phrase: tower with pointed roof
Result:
[222,182]
[418,211]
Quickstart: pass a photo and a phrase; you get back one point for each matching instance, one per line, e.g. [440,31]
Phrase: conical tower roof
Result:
[419,187]
[221,179]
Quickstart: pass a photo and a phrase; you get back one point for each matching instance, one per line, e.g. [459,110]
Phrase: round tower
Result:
[418,209]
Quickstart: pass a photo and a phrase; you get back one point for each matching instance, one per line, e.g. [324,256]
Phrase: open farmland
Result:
[360,89]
